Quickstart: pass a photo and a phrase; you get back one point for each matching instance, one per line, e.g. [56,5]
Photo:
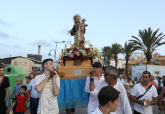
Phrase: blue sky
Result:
[26,24]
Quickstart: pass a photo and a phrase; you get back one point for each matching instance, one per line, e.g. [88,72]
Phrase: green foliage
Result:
[106,54]
[1,63]
[115,50]
[120,70]
[149,40]
[127,50]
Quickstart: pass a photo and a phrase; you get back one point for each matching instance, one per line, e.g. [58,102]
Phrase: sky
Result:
[26,24]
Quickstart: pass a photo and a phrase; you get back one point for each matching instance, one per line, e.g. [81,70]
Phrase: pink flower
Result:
[59,65]
[71,55]
[84,53]
[77,53]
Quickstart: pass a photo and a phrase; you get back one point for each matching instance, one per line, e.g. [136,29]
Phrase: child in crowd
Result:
[28,79]
[108,100]
[16,91]
[32,76]
[8,102]
[20,100]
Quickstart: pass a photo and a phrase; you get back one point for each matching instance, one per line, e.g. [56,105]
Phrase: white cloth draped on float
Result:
[79,34]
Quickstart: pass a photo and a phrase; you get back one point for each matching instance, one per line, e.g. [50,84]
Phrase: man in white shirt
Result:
[110,80]
[108,99]
[49,87]
[120,79]
[140,97]
[33,95]
[93,100]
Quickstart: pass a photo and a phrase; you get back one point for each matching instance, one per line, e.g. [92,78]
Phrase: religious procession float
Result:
[76,63]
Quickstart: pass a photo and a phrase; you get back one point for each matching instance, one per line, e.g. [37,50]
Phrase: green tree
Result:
[115,50]
[106,54]
[1,63]
[148,42]
[127,50]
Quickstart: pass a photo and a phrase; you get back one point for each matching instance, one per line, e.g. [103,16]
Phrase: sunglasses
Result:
[106,74]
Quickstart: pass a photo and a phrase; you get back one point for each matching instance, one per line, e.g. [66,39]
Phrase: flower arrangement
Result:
[77,51]
[59,61]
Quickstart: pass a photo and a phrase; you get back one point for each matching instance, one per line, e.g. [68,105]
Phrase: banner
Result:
[137,71]
[156,70]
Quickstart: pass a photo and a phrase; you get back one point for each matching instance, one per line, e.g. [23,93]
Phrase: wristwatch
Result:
[6,95]
[91,79]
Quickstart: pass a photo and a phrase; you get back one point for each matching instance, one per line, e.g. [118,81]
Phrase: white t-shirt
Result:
[156,82]
[97,111]
[161,85]
[139,90]
[121,81]
[124,104]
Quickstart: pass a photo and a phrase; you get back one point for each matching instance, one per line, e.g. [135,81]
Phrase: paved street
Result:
[84,110]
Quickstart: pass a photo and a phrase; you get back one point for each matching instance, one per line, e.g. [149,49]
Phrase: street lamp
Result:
[55,51]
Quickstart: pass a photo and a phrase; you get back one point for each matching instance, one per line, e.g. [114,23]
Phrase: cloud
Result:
[4,45]
[42,43]
[4,35]
[5,23]
[15,37]
[17,46]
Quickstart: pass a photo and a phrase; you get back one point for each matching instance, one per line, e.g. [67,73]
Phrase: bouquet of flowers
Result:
[59,61]
[77,51]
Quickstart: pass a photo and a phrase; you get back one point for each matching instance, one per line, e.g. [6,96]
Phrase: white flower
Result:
[70,51]
[96,60]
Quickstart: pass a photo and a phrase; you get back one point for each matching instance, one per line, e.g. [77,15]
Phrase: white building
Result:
[120,63]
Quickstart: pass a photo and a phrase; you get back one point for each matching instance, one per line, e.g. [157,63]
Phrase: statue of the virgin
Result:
[76,31]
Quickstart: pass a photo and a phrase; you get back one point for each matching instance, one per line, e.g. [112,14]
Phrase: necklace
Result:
[48,86]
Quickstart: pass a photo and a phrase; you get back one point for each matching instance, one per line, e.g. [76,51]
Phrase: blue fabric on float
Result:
[72,94]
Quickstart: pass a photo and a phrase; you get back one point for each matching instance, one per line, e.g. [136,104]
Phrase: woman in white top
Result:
[128,86]
[124,78]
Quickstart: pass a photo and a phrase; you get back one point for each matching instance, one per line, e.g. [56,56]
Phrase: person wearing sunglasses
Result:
[110,80]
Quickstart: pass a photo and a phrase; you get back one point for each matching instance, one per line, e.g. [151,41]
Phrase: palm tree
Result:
[148,42]
[106,54]
[115,50]
[127,50]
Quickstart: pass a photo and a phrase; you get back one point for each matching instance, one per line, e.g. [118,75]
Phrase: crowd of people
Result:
[110,93]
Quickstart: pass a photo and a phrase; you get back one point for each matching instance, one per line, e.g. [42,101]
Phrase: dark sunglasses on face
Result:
[106,74]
